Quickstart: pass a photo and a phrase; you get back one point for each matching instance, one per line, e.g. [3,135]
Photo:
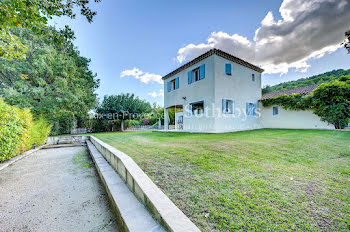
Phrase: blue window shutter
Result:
[190,77]
[247,108]
[254,109]
[223,105]
[228,69]
[202,72]
[169,86]
[189,113]
[177,83]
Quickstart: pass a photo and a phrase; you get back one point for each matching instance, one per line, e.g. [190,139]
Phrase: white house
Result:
[218,92]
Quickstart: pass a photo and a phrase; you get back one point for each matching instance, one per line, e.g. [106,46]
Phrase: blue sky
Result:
[147,35]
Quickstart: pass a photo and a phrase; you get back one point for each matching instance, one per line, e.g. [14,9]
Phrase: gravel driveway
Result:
[54,190]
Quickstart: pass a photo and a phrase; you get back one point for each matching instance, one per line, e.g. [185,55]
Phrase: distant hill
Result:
[318,79]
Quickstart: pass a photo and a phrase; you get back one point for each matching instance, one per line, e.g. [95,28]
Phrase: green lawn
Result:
[263,180]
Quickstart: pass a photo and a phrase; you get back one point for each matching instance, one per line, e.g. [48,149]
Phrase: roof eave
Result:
[210,53]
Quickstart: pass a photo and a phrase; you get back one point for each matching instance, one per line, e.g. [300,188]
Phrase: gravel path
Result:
[54,190]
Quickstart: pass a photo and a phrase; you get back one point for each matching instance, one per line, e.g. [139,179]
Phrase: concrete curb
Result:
[19,157]
[159,205]
[131,215]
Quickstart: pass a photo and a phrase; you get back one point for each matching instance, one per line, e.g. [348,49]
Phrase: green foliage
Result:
[260,180]
[294,102]
[18,132]
[125,104]
[53,81]
[117,108]
[318,79]
[34,15]
[346,42]
[11,130]
[39,132]
[331,102]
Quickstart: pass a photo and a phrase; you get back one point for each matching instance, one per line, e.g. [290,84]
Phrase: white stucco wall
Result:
[290,119]
[240,88]
[201,90]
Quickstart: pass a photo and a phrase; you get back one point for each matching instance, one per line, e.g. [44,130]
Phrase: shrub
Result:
[11,130]
[331,102]
[18,132]
[39,132]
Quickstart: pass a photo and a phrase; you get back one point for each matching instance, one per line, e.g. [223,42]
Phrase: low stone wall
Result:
[70,139]
[18,157]
[160,206]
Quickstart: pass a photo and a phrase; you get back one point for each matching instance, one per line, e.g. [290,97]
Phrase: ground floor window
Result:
[180,119]
[227,106]
[197,108]
[251,108]
[275,110]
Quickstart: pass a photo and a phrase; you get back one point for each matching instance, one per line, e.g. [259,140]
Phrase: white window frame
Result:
[194,72]
[278,111]
[252,112]
[233,106]
[193,102]
[173,84]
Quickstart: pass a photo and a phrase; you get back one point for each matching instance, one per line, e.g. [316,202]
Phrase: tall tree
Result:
[34,15]
[346,43]
[123,107]
[53,80]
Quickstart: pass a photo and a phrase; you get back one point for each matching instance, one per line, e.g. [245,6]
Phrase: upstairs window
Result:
[275,110]
[196,74]
[253,77]
[197,108]
[250,108]
[228,69]
[227,106]
[173,84]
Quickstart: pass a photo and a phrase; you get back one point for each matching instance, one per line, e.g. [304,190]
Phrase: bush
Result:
[11,130]
[39,132]
[18,132]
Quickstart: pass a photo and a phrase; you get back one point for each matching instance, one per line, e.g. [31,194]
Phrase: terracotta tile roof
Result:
[210,53]
[303,91]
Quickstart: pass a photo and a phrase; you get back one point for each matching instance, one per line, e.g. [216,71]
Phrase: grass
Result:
[263,180]
[81,159]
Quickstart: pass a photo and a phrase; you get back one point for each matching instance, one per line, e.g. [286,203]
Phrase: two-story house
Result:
[218,92]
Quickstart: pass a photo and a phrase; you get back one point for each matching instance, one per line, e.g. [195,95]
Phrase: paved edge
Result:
[160,206]
[19,157]
[131,214]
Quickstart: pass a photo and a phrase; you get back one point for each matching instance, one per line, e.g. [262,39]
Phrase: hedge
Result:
[18,131]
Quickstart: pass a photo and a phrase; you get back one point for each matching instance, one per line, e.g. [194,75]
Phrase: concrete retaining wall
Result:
[72,139]
[160,206]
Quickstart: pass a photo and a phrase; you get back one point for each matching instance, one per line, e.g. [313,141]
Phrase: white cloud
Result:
[155,94]
[308,30]
[144,77]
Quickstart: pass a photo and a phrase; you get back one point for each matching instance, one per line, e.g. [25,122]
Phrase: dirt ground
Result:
[54,190]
